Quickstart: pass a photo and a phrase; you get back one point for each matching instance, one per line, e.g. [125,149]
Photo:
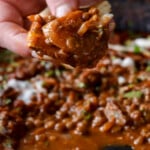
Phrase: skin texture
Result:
[14,25]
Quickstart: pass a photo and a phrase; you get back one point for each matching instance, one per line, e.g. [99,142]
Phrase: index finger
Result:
[60,8]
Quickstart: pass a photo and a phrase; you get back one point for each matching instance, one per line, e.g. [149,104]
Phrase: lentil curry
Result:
[49,107]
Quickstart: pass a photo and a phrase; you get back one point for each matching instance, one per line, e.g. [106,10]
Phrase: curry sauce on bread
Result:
[79,39]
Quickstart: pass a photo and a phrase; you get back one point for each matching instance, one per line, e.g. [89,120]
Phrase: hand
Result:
[60,7]
[13,22]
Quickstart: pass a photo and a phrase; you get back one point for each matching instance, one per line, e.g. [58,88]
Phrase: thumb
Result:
[60,8]
[13,37]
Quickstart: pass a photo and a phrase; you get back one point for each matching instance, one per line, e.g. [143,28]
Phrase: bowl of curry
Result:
[44,106]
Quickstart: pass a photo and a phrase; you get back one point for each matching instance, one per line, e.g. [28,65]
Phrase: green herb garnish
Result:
[7,56]
[58,72]
[131,85]
[43,63]
[14,64]
[1,87]
[133,94]
[49,73]
[9,69]
[148,68]
[137,49]
[87,115]
[44,84]
[8,144]
[7,101]
[113,57]
[128,42]
[17,109]
[81,85]
[5,77]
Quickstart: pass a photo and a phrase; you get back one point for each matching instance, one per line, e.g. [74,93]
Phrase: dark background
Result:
[132,15]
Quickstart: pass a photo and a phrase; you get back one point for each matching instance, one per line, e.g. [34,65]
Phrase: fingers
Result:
[60,8]
[13,37]
[86,3]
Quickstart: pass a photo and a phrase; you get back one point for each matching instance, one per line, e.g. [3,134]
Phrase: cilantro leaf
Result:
[148,68]
[137,49]
[133,94]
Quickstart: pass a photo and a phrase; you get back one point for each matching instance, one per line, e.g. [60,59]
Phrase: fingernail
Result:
[62,10]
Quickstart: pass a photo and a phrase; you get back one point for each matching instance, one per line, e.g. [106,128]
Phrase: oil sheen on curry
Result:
[78,39]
